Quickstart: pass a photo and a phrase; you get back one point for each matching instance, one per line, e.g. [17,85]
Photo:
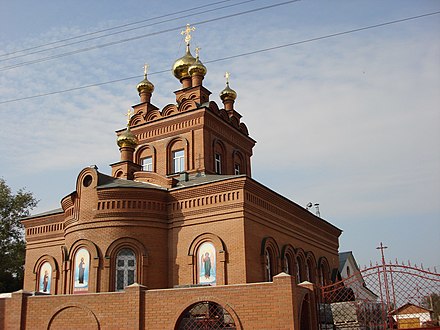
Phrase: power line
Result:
[48,58]
[122,31]
[232,56]
[111,28]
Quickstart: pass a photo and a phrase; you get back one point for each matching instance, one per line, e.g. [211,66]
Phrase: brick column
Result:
[15,318]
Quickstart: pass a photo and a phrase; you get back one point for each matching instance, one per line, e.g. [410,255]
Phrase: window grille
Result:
[125,269]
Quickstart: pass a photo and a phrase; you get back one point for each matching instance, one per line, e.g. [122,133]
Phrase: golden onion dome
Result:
[197,68]
[145,85]
[181,65]
[228,94]
[127,139]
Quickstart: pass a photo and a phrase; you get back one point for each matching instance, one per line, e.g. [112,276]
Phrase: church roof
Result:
[43,214]
[105,181]
[343,256]
[199,179]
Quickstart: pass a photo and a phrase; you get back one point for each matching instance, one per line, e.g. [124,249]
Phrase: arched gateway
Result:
[205,315]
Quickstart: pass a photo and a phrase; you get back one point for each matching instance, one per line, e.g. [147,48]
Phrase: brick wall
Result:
[272,305]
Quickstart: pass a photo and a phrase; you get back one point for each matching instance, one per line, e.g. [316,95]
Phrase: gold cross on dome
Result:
[129,113]
[227,75]
[187,33]
[198,51]
[146,67]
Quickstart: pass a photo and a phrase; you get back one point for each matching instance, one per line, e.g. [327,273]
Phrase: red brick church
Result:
[179,236]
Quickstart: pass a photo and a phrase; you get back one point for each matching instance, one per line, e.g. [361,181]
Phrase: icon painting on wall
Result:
[45,278]
[207,264]
[81,274]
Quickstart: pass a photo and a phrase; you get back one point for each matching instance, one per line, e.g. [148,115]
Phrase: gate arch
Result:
[205,315]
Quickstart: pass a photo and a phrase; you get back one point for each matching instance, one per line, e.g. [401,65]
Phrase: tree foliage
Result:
[13,207]
[432,302]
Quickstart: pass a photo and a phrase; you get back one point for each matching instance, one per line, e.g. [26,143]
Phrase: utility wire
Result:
[123,31]
[48,58]
[232,56]
[109,29]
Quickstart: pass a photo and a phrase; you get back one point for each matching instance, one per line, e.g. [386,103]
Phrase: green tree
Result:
[432,302]
[12,243]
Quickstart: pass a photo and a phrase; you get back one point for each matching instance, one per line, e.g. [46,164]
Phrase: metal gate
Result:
[386,296]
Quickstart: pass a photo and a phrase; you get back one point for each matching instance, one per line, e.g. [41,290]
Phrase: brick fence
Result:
[272,305]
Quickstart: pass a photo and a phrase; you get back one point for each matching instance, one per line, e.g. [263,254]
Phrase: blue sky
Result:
[351,122]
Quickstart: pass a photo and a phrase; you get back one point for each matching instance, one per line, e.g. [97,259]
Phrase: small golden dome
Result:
[228,94]
[145,85]
[181,66]
[197,68]
[127,139]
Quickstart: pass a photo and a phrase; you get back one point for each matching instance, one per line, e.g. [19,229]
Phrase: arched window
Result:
[125,269]
[299,270]
[324,271]
[311,267]
[288,257]
[219,158]
[81,271]
[206,260]
[45,278]
[146,158]
[177,153]
[239,164]
[270,256]
[205,315]
[268,264]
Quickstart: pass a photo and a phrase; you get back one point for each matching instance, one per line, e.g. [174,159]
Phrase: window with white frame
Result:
[178,161]
[147,164]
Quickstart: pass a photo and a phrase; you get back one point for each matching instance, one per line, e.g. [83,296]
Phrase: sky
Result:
[345,108]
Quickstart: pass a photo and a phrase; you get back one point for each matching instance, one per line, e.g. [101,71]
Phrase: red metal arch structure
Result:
[386,296]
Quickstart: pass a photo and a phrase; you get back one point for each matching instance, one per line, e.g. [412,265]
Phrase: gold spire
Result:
[145,85]
[228,94]
[181,65]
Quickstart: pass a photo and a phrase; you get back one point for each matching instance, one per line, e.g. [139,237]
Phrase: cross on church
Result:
[146,67]
[227,75]
[187,33]
[381,248]
[197,51]
[129,113]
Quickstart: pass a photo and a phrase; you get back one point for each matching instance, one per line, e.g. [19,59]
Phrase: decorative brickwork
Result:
[181,216]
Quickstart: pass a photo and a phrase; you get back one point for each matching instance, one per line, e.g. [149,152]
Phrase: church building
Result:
[179,236]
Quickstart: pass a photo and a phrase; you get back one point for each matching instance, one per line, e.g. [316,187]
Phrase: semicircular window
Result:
[205,315]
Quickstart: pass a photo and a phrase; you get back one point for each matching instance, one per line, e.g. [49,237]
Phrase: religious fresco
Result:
[45,279]
[81,271]
[206,264]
